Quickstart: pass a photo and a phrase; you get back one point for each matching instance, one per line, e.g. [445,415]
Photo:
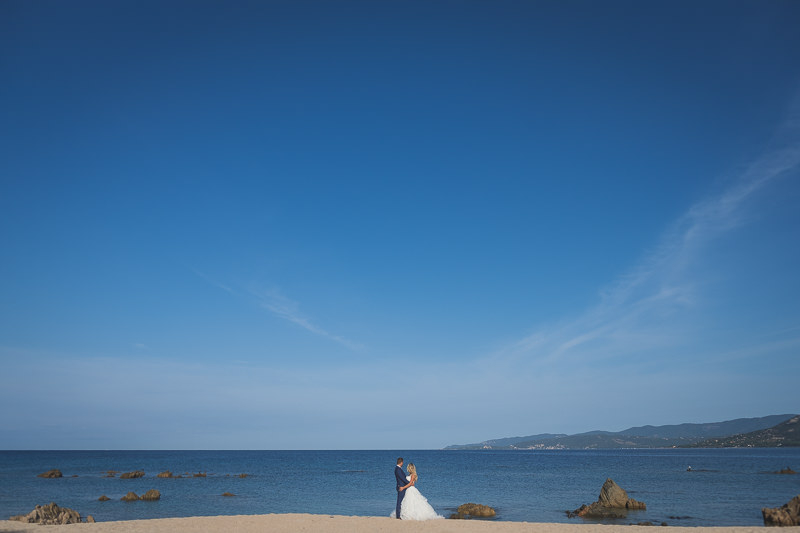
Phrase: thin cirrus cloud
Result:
[282,307]
[638,311]
[279,305]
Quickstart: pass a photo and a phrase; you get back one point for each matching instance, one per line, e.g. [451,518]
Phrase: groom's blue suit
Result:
[400,477]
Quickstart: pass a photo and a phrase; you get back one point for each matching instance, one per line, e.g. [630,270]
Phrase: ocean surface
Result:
[726,487]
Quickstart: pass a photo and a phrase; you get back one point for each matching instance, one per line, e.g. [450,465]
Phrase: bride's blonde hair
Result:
[412,470]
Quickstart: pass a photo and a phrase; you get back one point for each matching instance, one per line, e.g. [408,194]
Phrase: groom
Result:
[402,484]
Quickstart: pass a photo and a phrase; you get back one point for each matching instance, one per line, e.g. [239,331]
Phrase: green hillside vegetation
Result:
[785,434]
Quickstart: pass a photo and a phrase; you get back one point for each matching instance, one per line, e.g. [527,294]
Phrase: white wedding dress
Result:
[415,506]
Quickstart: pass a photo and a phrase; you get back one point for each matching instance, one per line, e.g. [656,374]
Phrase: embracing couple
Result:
[411,504]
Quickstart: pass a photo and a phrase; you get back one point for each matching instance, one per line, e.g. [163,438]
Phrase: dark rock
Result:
[50,515]
[613,502]
[51,474]
[242,476]
[103,498]
[132,475]
[199,474]
[151,495]
[597,511]
[473,509]
[130,497]
[228,494]
[786,515]
[786,470]
[165,474]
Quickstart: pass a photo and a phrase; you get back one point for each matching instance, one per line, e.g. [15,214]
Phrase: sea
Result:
[725,487]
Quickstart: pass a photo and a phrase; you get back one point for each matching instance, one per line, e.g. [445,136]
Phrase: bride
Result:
[415,506]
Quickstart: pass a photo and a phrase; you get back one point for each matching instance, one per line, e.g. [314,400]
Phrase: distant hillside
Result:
[731,427]
[636,437]
[784,434]
[504,442]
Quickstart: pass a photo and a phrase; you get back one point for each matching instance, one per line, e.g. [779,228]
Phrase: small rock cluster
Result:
[51,474]
[149,496]
[132,475]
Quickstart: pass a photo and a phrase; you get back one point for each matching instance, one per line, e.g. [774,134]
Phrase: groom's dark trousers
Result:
[400,476]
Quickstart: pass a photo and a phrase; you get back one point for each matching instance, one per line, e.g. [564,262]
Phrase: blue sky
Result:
[394,225]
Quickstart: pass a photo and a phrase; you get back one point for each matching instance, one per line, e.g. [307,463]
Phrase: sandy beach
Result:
[279,523]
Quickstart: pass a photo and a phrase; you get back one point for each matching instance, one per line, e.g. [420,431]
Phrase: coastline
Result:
[289,523]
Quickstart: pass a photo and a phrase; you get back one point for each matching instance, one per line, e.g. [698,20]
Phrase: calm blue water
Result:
[728,487]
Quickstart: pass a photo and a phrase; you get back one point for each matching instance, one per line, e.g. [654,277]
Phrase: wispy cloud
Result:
[660,285]
[214,282]
[275,302]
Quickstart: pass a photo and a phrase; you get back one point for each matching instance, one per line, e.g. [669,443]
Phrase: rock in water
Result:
[51,474]
[50,515]
[786,515]
[613,502]
[130,497]
[132,475]
[151,495]
[103,498]
[615,497]
[90,519]
[612,495]
[166,474]
[474,509]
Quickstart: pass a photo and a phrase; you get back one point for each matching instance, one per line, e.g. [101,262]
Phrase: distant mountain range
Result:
[773,430]
[784,434]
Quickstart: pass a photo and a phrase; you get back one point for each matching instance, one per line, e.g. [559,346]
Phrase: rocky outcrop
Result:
[51,474]
[613,502]
[786,470]
[165,474]
[199,474]
[150,496]
[469,510]
[90,519]
[103,498]
[132,475]
[228,494]
[130,497]
[786,515]
[50,515]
